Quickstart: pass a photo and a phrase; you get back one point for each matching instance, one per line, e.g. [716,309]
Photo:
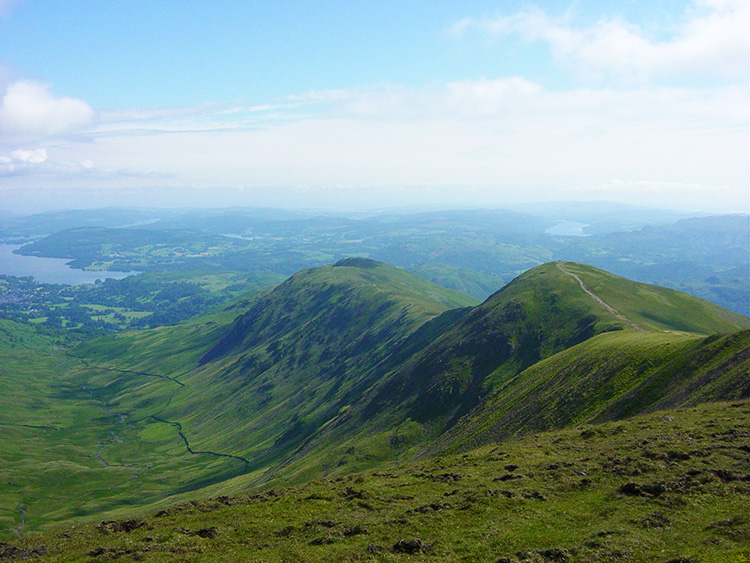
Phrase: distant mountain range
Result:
[475,251]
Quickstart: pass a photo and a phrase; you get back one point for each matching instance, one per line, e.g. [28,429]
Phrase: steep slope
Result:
[358,354]
[356,304]
[301,354]
[348,366]
[608,377]
[285,367]
[542,312]
[462,360]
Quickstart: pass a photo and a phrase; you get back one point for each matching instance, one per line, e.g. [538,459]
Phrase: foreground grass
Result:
[671,486]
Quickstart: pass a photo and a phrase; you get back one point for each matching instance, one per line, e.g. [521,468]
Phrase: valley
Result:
[330,387]
[326,375]
[385,282]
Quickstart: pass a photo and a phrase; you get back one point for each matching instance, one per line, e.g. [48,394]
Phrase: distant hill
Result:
[476,251]
[43,224]
[132,248]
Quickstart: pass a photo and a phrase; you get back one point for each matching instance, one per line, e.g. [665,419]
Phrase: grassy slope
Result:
[284,367]
[340,368]
[611,376]
[454,363]
[312,338]
[275,374]
[657,308]
[468,281]
[69,452]
[539,314]
[544,498]
[288,364]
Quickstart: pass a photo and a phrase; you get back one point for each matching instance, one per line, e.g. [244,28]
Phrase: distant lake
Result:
[49,270]
[568,229]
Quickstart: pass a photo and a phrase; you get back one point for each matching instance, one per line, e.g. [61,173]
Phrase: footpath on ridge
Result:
[598,299]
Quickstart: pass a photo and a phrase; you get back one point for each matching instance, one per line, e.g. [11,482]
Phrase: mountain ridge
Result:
[450,370]
[349,366]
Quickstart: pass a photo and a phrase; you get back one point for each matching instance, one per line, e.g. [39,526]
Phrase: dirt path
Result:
[598,299]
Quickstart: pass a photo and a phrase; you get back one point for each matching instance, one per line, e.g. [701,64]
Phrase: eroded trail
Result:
[598,299]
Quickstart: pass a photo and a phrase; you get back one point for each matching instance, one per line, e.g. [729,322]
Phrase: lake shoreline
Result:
[50,270]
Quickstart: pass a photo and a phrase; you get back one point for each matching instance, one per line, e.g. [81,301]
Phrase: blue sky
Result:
[346,104]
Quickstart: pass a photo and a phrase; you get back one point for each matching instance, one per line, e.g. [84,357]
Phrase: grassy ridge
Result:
[458,360]
[670,486]
[657,308]
[345,368]
[537,315]
[611,376]
[292,361]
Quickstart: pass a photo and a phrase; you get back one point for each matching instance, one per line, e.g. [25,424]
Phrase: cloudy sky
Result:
[360,104]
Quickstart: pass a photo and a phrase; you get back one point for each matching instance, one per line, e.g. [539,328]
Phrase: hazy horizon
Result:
[363,105]
[313,203]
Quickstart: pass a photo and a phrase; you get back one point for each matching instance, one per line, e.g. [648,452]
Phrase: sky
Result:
[353,104]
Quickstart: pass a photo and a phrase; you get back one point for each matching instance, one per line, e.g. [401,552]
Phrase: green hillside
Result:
[651,307]
[667,487]
[345,368]
[126,249]
[546,310]
[285,367]
[610,376]
[155,418]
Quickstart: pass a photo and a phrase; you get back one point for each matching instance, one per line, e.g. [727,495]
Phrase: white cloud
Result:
[713,41]
[501,137]
[22,161]
[477,141]
[465,98]
[34,156]
[30,111]
[36,163]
